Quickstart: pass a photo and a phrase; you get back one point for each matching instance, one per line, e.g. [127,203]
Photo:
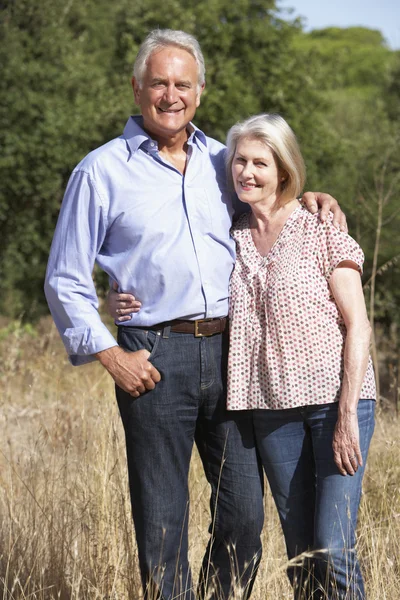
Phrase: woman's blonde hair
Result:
[274,132]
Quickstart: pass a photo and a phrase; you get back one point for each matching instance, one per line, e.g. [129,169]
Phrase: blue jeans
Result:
[188,405]
[317,506]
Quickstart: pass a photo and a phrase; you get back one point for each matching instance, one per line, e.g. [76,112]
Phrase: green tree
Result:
[56,103]
[65,89]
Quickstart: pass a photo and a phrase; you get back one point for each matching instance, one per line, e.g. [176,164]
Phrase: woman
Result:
[299,343]
[299,339]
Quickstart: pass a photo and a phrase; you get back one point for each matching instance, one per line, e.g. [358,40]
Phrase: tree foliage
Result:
[65,89]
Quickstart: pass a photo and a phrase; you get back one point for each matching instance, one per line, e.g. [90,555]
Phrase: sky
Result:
[374,14]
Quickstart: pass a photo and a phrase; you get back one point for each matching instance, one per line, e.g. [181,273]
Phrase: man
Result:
[152,208]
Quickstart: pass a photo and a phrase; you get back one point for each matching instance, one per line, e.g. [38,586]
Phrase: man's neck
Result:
[170,143]
[174,149]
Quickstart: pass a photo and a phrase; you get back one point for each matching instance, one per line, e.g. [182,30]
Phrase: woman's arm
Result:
[121,306]
[345,283]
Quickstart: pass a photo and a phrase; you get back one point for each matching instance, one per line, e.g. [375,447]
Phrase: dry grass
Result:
[65,528]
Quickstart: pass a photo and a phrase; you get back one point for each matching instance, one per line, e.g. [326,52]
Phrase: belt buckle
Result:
[196,328]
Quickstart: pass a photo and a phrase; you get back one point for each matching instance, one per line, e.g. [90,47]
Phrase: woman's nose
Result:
[247,171]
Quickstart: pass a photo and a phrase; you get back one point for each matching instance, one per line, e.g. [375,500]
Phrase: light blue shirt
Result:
[160,235]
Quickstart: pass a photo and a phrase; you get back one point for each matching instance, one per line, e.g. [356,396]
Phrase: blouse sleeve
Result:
[336,246]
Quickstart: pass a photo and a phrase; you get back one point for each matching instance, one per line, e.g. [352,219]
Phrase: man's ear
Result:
[136,90]
[199,93]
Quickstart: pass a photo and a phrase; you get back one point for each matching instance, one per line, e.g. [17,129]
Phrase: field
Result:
[66,529]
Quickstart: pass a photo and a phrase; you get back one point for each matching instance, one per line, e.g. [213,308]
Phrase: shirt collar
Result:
[136,137]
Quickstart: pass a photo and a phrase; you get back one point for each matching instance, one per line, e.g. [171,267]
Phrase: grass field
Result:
[66,529]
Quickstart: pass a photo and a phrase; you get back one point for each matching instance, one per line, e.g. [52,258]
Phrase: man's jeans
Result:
[317,506]
[188,405]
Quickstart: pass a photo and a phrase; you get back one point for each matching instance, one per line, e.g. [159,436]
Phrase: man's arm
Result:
[69,287]
[131,371]
[316,200]
[71,295]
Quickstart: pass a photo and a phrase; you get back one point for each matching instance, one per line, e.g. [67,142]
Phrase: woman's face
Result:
[255,173]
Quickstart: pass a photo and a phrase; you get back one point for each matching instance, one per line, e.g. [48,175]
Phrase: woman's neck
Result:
[266,218]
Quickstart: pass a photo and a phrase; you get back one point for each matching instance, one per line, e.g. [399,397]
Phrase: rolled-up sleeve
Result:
[69,287]
[336,246]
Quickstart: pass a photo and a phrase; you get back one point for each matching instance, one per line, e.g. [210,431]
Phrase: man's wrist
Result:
[108,356]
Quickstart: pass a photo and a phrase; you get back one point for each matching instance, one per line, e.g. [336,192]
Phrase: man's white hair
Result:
[162,38]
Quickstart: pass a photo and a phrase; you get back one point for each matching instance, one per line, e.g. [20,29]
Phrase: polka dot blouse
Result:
[286,333]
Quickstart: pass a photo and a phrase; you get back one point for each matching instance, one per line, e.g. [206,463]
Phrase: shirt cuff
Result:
[82,343]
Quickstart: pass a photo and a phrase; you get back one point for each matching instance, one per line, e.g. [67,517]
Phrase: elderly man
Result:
[152,208]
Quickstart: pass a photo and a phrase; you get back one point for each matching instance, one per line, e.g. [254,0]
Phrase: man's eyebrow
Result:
[164,80]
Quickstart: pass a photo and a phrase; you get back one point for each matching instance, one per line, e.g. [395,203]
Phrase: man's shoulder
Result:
[216,151]
[103,156]
[214,146]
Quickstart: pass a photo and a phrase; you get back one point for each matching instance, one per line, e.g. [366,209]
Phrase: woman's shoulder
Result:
[313,225]
[311,220]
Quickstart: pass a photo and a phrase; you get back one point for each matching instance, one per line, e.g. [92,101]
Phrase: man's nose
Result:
[170,94]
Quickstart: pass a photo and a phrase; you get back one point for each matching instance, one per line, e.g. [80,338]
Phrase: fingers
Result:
[326,202]
[348,461]
[350,464]
[147,385]
[155,375]
[124,308]
[339,218]
[325,208]
[122,319]
[359,456]
[310,201]
[338,462]
[329,204]
[126,305]
[149,376]
[126,300]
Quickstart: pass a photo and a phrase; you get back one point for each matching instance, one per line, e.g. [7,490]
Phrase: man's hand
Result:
[131,371]
[313,200]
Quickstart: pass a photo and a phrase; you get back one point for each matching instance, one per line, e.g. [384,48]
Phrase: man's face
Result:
[169,94]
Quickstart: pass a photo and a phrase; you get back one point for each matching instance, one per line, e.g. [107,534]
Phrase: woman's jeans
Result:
[317,506]
[188,405]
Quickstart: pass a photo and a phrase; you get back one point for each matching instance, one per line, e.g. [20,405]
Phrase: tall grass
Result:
[65,524]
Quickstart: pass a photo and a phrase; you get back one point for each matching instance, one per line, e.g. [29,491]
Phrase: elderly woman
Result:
[299,342]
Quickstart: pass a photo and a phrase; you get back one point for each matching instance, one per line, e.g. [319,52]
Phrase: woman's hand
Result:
[346,444]
[121,306]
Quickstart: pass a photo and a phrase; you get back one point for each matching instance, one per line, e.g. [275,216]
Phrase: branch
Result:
[382,269]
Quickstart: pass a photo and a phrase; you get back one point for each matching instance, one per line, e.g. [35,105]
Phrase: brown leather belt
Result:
[198,328]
